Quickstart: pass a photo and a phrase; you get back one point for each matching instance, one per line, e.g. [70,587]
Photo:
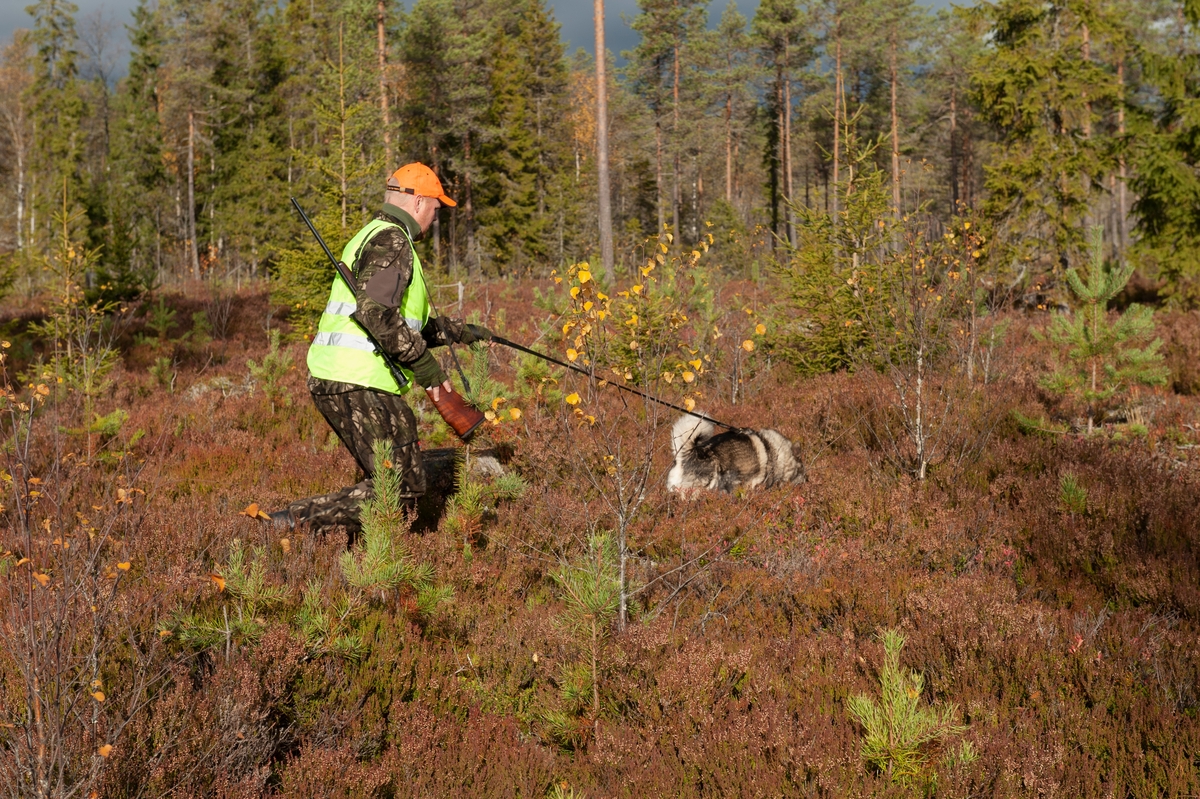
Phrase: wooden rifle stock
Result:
[462,418]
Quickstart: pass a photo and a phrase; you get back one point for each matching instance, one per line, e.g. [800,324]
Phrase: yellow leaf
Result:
[587,306]
[636,289]
[105,750]
[515,413]
[748,345]
[35,481]
[689,377]
[22,561]
[164,633]
[489,415]
[286,545]
[600,295]
[574,292]
[760,329]
[664,247]
[696,364]
[251,510]
[573,398]
[633,345]
[658,257]
[633,320]
[124,565]
[668,376]
[646,270]
[44,579]
[98,696]
[601,314]
[689,403]
[497,402]
[584,276]
[218,580]
[572,353]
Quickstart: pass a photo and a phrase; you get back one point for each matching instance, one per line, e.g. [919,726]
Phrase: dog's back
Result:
[725,461]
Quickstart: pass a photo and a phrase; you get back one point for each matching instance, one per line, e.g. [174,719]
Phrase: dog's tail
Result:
[687,430]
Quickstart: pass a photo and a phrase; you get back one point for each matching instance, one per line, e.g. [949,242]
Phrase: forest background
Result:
[1047,118]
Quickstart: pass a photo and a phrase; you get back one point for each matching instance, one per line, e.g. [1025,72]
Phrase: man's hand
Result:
[456,331]
[472,333]
[428,372]
[436,391]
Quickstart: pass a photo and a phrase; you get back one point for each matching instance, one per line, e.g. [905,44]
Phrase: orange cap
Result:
[419,179]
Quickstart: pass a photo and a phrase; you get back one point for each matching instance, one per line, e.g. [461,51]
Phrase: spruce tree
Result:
[1165,155]
[1042,92]
[56,108]
[1104,357]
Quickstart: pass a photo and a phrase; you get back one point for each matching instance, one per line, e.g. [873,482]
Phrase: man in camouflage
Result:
[390,285]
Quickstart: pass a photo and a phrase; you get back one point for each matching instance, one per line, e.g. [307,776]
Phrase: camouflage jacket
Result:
[383,272]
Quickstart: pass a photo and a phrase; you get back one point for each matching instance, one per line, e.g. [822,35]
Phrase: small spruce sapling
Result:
[591,589]
[898,731]
[1104,357]
[275,364]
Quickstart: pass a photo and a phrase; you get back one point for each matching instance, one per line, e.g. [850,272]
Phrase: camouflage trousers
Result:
[360,417]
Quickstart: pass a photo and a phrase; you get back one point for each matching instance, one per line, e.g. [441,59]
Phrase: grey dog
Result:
[726,461]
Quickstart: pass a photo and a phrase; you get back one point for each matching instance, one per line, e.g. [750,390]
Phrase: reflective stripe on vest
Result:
[347,308]
[344,340]
[340,351]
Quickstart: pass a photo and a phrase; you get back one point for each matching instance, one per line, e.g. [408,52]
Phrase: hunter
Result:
[350,382]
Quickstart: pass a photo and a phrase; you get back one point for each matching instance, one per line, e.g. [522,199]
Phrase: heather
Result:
[1045,588]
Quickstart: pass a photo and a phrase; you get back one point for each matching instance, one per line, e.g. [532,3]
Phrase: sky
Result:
[574,15]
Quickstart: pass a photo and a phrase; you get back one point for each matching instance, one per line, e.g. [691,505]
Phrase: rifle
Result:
[462,418]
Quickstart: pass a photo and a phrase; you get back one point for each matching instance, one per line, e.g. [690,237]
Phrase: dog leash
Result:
[514,345]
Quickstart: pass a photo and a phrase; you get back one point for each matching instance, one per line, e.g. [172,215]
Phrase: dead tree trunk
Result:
[605,209]
[193,252]
[385,112]
[893,73]
[676,199]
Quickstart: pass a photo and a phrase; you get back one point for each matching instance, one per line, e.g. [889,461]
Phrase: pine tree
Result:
[779,28]
[1104,356]
[662,70]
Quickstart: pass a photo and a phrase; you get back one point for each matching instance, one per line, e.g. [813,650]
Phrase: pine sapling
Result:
[898,731]
[1104,357]
[275,364]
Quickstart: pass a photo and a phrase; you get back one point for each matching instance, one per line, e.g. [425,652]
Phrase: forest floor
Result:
[1048,589]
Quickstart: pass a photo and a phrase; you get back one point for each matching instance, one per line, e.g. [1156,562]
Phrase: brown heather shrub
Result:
[1066,641]
[1180,332]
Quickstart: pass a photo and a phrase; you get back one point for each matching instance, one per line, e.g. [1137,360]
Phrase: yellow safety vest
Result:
[341,351]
